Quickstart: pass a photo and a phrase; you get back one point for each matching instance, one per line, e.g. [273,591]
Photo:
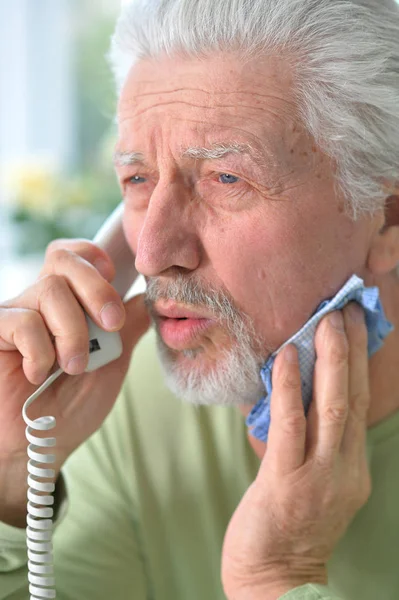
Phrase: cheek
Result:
[278,273]
[255,264]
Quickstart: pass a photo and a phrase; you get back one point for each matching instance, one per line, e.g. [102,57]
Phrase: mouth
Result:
[180,327]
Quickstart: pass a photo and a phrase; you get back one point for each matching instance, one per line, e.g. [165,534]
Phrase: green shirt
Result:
[150,494]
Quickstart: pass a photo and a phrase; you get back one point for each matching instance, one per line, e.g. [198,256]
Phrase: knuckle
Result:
[41,363]
[61,255]
[323,465]
[329,496]
[52,246]
[53,283]
[26,331]
[290,381]
[77,344]
[72,333]
[29,321]
[65,249]
[339,351]
[360,403]
[336,413]
[294,423]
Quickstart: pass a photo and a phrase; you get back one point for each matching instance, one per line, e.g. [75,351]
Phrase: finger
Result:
[98,298]
[25,331]
[354,437]
[93,254]
[52,299]
[286,441]
[137,321]
[330,391]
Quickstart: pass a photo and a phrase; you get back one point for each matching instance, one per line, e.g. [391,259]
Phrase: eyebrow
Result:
[215,152]
[124,159]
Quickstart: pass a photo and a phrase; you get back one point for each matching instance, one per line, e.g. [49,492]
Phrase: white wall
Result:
[36,88]
[36,108]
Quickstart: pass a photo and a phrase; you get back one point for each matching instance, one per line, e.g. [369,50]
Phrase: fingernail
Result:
[77,364]
[337,320]
[111,315]
[356,313]
[290,354]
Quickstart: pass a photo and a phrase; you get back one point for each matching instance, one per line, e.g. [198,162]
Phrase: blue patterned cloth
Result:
[378,328]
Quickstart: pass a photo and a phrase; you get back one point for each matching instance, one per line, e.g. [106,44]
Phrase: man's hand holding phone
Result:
[44,324]
[314,475]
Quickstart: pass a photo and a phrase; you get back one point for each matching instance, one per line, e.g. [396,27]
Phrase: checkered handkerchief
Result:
[378,328]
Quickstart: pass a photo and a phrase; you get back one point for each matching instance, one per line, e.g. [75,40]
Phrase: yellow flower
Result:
[76,195]
[32,186]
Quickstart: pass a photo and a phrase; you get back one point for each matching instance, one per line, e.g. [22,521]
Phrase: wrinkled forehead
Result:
[216,82]
[211,101]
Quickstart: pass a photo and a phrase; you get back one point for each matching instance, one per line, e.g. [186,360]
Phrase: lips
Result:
[179,327]
[173,311]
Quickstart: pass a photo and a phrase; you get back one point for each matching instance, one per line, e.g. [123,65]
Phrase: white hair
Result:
[344,56]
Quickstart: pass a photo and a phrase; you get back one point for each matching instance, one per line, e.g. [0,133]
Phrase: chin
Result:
[223,375]
[202,358]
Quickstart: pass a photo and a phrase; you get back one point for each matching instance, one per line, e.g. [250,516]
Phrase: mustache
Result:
[187,290]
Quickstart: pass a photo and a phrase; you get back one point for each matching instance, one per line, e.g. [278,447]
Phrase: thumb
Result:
[136,323]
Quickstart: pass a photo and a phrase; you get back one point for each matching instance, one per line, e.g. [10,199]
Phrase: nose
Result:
[168,237]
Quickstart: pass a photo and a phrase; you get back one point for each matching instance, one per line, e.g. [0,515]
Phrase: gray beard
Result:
[234,378]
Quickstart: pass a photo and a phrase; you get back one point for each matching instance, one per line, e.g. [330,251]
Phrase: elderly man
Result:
[258,161]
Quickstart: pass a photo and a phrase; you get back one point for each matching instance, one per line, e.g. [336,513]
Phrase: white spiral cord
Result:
[40,512]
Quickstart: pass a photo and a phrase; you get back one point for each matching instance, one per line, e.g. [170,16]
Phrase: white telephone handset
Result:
[104,347]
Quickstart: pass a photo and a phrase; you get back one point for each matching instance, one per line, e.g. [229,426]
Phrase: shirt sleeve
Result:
[96,554]
[310,591]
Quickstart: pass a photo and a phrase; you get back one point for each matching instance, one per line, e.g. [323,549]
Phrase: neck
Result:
[383,367]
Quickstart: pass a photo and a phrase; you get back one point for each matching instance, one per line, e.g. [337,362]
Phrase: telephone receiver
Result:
[106,346]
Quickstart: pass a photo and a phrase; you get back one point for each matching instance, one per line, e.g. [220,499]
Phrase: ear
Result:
[384,252]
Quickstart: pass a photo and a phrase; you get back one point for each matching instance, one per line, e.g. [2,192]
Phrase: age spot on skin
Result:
[261,274]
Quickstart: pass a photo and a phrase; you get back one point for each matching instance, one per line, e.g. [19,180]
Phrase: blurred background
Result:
[57,130]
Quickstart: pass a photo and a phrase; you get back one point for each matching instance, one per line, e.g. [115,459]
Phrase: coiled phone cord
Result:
[39,518]
[104,347]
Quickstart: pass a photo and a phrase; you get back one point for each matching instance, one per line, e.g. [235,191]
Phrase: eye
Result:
[226,178]
[137,179]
